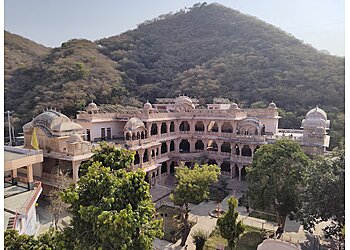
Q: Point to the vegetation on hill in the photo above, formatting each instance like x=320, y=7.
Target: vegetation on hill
x=205, y=51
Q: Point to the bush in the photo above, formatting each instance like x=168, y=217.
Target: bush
x=199, y=238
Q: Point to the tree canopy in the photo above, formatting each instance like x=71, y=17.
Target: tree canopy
x=275, y=178
x=192, y=187
x=109, y=156
x=112, y=209
x=228, y=225
x=324, y=195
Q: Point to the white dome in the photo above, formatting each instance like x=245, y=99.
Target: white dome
x=316, y=113
x=134, y=124
x=234, y=106
x=147, y=105
x=313, y=123
x=272, y=105
x=184, y=101
x=91, y=106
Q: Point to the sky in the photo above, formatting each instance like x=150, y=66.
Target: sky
x=320, y=23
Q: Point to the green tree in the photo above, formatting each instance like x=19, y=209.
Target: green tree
x=109, y=156
x=324, y=196
x=111, y=209
x=49, y=240
x=228, y=225
x=276, y=177
x=199, y=238
x=192, y=187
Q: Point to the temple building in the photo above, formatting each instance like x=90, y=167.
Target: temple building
x=176, y=130
x=63, y=148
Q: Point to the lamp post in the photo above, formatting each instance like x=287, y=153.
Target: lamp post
x=10, y=130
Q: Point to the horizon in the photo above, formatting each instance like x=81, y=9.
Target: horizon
x=323, y=29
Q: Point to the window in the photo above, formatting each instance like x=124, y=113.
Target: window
x=109, y=135
x=103, y=133
x=88, y=137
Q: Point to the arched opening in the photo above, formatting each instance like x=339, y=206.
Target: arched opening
x=184, y=146
x=227, y=127
x=212, y=146
x=172, y=168
x=184, y=126
x=199, y=145
x=243, y=173
x=153, y=182
x=225, y=167
x=145, y=156
x=142, y=135
x=147, y=178
x=137, y=158
x=199, y=126
x=226, y=147
x=257, y=147
x=246, y=151
x=172, y=127
x=235, y=173
x=163, y=169
x=212, y=161
x=213, y=127
x=237, y=149
x=154, y=129
x=138, y=136
x=133, y=136
x=163, y=148
x=163, y=128
x=172, y=146
x=128, y=136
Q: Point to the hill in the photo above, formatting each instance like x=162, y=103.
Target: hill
x=206, y=51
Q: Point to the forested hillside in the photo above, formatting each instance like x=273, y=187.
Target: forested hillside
x=206, y=51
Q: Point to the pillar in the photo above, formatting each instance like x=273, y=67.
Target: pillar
x=219, y=126
x=219, y=143
x=240, y=167
x=252, y=148
x=149, y=130
x=30, y=177
x=205, y=141
x=176, y=127
x=219, y=162
x=14, y=177
x=159, y=129
x=192, y=126
x=167, y=128
x=141, y=152
x=192, y=145
x=176, y=145
x=232, y=168
x=206, y=123
x=75, y=168
x=168, y=163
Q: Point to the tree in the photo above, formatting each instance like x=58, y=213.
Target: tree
x=324, y=195
x=199, y=238
x=111, y=209
x=192, y=187
x=49, y=240
x=275, y=178
x=109, y=156
x=228, y=225
x=57, y=206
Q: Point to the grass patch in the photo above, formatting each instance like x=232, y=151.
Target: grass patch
x=172, y=225
x=250, y=239
x=263, y=216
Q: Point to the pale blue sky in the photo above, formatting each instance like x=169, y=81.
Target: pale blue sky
x=51, y=22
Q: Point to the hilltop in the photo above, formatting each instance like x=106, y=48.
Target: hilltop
x=206, y=51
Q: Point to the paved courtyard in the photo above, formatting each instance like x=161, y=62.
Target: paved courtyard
x=293, y=231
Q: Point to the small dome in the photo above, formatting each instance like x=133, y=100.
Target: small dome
x=92, y=106
x=147, y=105
x=234, y=106
x=316, y=113
x=75, y=138
x=134, y=124
x=313, y=123
x=272, y=105
x=184, y=101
